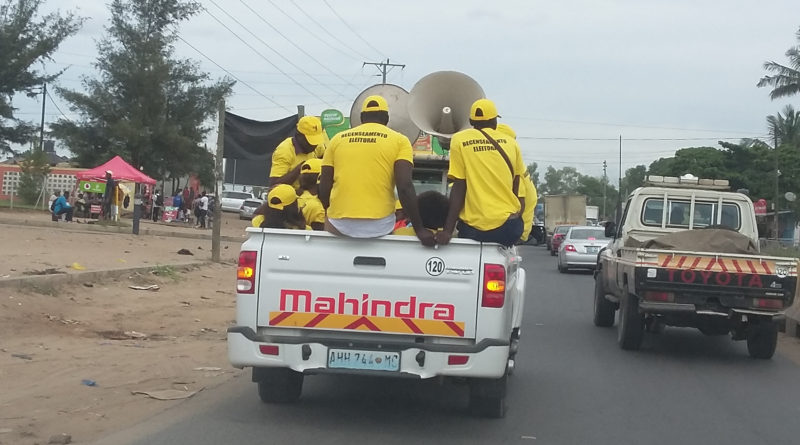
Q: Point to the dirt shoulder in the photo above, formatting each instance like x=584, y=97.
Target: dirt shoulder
x=71, y=361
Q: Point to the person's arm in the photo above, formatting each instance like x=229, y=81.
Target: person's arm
x=457, y=194
x=289, y=178
x=408, y=199
x=325, y=185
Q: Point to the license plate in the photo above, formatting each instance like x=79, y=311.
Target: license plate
x=592, y=249
x=363, y=360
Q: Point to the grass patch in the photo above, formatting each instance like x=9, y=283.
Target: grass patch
x=164, y=271
x=19, y=204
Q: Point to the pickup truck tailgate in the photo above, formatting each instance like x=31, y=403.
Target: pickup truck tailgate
x=392, y=286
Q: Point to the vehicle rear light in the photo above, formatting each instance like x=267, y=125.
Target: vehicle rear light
x=768, y=303
x=457, y=359
x=246, y=273
x=494, y=285
x=570, y=248
x=268, y=349
x=659, y=296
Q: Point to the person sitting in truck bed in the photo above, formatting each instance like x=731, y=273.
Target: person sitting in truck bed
x=490, y=162
x=360, y=170
x=280, y=211
x=530, y=195
x=289, y=155
x=433, y=208
x=308, y=201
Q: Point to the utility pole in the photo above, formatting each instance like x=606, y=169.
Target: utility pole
x=383, y=67
x=41, y=128
x=219, y=177
x=605, y=186
x=619, y=184
x=777, y=192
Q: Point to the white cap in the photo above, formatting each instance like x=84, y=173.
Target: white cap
x=109, y=172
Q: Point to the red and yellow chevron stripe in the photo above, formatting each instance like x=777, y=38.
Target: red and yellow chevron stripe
x=731, y=265
x=367, y=323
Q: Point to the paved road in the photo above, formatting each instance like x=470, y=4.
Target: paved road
x=572, y=385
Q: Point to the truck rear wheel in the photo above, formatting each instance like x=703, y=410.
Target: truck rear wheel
x=762, y=340
x=630, y=327
x=487, y=397
x=278, y=385
x=603, y=309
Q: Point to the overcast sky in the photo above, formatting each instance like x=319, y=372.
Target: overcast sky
x=559, y=72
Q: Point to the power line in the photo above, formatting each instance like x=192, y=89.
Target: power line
x=323, y=28
x=52, y=101
x=299, y=48
x=382, y=67
x=610, y=124
x=259, y=53
x=233, y=75
x=625, y=139
x=377, y=51
x=312, y=33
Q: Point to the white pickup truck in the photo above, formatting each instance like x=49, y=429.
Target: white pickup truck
x=313, y=303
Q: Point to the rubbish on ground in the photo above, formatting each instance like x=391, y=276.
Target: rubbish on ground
x=120, y=335
x=186, y=303
x=88, y=284
x=61, y=439
x=208, y=368
x=77, y=266
x=185, y=252
x=208, y=330
x=152, y=287
x=88, y=382
x=167, y=394
x=5, y=276
x=22, y=356
x=134, y=334
x=204, y=298
x=48, y=271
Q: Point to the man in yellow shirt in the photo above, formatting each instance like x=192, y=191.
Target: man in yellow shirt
x=360, y=170
x=307, y=143
x=531, y=196
x=486, y=166
x=308, y=201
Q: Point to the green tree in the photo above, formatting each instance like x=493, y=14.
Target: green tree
x=785, y=129
x=147, y=106
x=532, y=171
x=634, y=177
x=785, y=80
x=704, y=162
x=33, y=172
x=26, y=40
x=561, y=181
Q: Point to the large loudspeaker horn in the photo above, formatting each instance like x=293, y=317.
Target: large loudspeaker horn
x=397, y=98
x=439, y=103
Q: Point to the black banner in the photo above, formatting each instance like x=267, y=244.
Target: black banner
x=248, y=147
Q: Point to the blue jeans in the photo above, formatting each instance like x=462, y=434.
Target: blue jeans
x=507, y=234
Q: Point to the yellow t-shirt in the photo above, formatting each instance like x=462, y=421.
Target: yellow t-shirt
x=363, y=170
x=311, y=207
x=490, y=196
x=285, y=158
x=530, y=205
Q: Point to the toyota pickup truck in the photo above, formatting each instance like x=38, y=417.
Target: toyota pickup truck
x=686, y=254
x=313, y=303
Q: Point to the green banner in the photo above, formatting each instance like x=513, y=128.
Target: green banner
x=91, y=187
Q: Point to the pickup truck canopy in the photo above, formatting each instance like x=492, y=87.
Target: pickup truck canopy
x=701, y=240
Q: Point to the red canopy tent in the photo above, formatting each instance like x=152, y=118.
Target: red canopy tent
x=120, y=171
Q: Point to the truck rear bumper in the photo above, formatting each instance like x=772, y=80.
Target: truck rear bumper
x=663, y=308
x=486, y=359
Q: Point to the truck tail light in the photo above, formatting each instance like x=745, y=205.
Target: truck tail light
x=659, y=296
x=494, y=285
x=246, y=272
x=768, y=303
x=570, y=248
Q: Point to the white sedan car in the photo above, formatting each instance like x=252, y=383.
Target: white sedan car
x=580, y=247
x=232, y=201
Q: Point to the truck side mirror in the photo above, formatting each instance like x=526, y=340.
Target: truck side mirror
x=611, y=229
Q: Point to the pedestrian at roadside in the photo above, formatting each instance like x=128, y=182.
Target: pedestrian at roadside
x=108, y=195
x=490, y=208
x=61, y=206
x=158, y=203
x=202, y=210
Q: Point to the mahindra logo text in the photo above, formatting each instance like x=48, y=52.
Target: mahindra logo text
x=294, y=300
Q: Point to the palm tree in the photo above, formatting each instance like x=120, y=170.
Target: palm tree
x=786, y=79
x=785, y=129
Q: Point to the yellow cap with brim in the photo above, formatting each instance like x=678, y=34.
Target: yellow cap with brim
x=311, y=166
x=507, y=130
x=483, y=110
x=281, y=196
x=375, y=103
x=311, y=128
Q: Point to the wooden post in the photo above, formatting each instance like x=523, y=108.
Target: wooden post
x=219, y=177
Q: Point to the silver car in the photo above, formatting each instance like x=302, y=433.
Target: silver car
x=580, y=247
x=232, y=201
x=248, y=207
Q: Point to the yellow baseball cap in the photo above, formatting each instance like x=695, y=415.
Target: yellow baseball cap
x=506, y=129
x=281, y=196
x=311, y=166
x=311, y=127
x=375, y=103
x=483, y=110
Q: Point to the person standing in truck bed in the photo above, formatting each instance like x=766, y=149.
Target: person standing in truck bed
x=486, y=166
x=360, y=170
